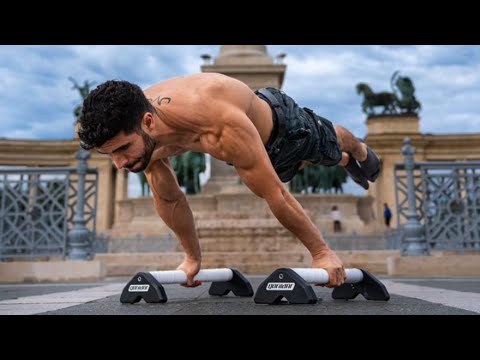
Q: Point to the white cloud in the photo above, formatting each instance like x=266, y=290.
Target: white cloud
x=34, y=79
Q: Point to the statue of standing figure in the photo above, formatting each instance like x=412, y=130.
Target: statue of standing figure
x=144, y=186
x=315, y=179
x=188, y=167
x=404, y=91
x=84, y=90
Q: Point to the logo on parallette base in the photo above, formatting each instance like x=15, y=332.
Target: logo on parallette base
x=138, y=288
x=280, y=286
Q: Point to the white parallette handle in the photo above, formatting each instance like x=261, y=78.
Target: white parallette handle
x=320, y=276
x=179, y=277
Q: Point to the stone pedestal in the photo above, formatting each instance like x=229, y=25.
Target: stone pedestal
x=250, y=64
x=242, y=222
x=393, y=124
x=223, y=178
x=385, y=137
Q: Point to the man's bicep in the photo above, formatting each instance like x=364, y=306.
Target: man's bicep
x=163, y=181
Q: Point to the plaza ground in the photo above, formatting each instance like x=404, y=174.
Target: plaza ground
x=409, y=296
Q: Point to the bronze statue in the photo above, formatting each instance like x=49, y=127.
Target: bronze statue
x=144, y=184
x=83, y=90
x=401, y=100
x=404, y=93
x=188, y=168
x=315, y=179
x=371, y=100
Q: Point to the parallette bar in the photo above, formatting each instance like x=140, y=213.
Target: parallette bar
x=179, y=277
x=320, y=276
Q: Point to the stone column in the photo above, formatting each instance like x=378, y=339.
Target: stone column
x=79, y=237
x=385, y=136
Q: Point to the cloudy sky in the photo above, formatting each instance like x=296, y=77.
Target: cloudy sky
x=36, y=97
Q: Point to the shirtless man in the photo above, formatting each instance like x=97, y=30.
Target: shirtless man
x=265, y=135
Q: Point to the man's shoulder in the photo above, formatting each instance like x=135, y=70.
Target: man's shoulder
x=200, y=79
x=194, y=83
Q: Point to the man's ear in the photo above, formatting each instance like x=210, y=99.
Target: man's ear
x=148, y=122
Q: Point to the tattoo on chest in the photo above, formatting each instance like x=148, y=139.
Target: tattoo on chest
x=159, y=100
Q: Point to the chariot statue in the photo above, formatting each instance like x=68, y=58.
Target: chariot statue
x=400, y=101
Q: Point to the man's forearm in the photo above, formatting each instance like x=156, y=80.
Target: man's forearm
x=178, y=217
x=291, y=215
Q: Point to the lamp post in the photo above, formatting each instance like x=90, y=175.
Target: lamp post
x=79, y=236
x=415, y=243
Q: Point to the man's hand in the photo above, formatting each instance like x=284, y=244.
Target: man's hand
x=191, y=267
x=329, y=261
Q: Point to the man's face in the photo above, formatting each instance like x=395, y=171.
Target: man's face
x=132, y=152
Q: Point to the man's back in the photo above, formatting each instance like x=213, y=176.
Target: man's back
x=201, y=104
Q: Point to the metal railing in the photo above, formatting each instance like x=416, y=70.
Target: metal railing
x=39, y=210
x=438, y=204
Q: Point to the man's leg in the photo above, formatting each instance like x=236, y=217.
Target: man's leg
x=358, y=159
x=350, y=145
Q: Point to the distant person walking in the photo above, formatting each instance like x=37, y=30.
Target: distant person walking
x=337, y=219
x=387, y=215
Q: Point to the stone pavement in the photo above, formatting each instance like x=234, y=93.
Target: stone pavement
x=409, y=296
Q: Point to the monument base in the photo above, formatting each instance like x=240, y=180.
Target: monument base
x=243, y=222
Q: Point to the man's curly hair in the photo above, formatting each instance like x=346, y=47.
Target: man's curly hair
x=110, y=108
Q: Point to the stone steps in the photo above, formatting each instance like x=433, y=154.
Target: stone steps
x=251, y=244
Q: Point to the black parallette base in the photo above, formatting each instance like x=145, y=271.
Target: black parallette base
x=285, y=283
x=143, y=286
x=370, y=287
x=238, y=285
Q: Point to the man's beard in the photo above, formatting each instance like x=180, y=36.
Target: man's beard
x=142, y=162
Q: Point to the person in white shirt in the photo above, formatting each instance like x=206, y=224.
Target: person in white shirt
x=336, y=217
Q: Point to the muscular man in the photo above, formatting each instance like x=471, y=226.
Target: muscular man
x=265, y=135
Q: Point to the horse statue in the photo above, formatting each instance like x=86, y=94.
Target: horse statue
x=404, y=91
x=371, y=100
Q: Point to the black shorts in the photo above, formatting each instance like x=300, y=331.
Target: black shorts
x=298, y=134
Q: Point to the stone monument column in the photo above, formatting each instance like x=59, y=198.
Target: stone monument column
x=385, y=136
x=252, y=65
